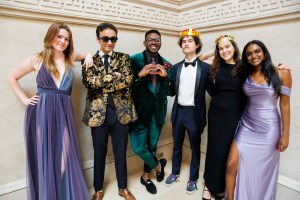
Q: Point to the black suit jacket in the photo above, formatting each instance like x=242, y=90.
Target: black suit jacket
x=201, y=86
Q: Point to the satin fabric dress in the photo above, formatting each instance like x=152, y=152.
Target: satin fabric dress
x=257, y=141
x=54, y=167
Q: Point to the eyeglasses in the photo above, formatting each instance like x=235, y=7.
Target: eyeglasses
x=152, y=40
x=105, y=39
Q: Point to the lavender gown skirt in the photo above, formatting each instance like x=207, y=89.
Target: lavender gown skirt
x=54, y=170
x=257, y=140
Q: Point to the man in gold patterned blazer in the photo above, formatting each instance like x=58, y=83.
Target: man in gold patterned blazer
x=109, y=107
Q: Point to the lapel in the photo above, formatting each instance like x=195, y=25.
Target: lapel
x=145, y=59
x=146, y=62
x=113, y=56
x=114, y=62
x=98, y=62
x=160, y=60
x=178, y=76
x=198, y=75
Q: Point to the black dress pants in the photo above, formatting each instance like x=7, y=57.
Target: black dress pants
x=119, y=137
x=186, y=121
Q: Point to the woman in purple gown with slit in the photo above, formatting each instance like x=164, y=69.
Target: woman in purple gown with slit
x=262, y=133
x=54, y=167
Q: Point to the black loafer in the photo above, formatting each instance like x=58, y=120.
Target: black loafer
x=151, y=188
x=160, y=176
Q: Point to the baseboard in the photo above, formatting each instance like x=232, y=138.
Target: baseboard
x=289, y=183
x=12, y=187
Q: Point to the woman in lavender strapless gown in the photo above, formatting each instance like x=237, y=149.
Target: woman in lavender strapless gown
x=54, y=167
x=253, y=162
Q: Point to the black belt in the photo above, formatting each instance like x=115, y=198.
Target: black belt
x=185, y=107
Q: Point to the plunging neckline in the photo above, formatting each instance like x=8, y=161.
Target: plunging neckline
x=61, y=80
x=54, y=83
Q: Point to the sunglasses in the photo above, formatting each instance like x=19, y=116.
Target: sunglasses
x=105, y=39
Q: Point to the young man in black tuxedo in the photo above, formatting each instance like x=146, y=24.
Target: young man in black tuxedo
x=189, y=109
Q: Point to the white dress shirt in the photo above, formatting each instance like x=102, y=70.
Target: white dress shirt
x=187, y=84
x=102, y=56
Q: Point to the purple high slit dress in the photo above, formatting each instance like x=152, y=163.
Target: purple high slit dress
x=54, y=167
x=257, y=138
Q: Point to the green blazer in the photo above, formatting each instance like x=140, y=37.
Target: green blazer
x=146, y=102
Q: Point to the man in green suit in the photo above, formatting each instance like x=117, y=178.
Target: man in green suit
x=152, y=84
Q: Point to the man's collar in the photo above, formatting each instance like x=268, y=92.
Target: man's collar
x=193, y=59
x=148, y=56
x=101, y=54
x=192, y=62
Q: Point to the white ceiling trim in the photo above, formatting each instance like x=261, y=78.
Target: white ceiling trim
x=169, y=16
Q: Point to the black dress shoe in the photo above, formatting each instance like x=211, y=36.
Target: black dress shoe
x=160, y=176
x=151, y=188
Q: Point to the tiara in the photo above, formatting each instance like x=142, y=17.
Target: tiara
x=226, y=36
x=190, y=32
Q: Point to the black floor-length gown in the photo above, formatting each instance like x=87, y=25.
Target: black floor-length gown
x=224, y=113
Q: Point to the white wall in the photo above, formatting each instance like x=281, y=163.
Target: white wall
x=21, y=38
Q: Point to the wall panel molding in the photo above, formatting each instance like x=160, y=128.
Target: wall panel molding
x=168, y=16
x=240, y=13
x=127, y=14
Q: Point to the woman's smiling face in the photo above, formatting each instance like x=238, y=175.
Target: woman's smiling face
x=255, y=55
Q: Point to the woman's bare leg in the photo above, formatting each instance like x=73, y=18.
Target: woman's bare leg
x=231, y=170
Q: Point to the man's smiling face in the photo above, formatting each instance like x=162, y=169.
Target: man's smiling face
x=152, y=43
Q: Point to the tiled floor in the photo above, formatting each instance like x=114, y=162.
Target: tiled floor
x=174, y=192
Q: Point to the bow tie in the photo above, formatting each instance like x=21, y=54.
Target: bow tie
x=190, y=63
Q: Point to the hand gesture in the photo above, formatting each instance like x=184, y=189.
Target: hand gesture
x=88, y=61
x=160, y=70
x=147, y=69
x=283, y=66
x=32, y=101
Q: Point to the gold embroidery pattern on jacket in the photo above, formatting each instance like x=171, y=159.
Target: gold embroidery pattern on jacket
x=116, y=81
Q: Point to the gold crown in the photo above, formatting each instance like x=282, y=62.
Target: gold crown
x=190, y=32
x=226, y=36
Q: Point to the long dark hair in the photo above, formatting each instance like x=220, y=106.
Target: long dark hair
x=218, y=61
x=268, y=68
